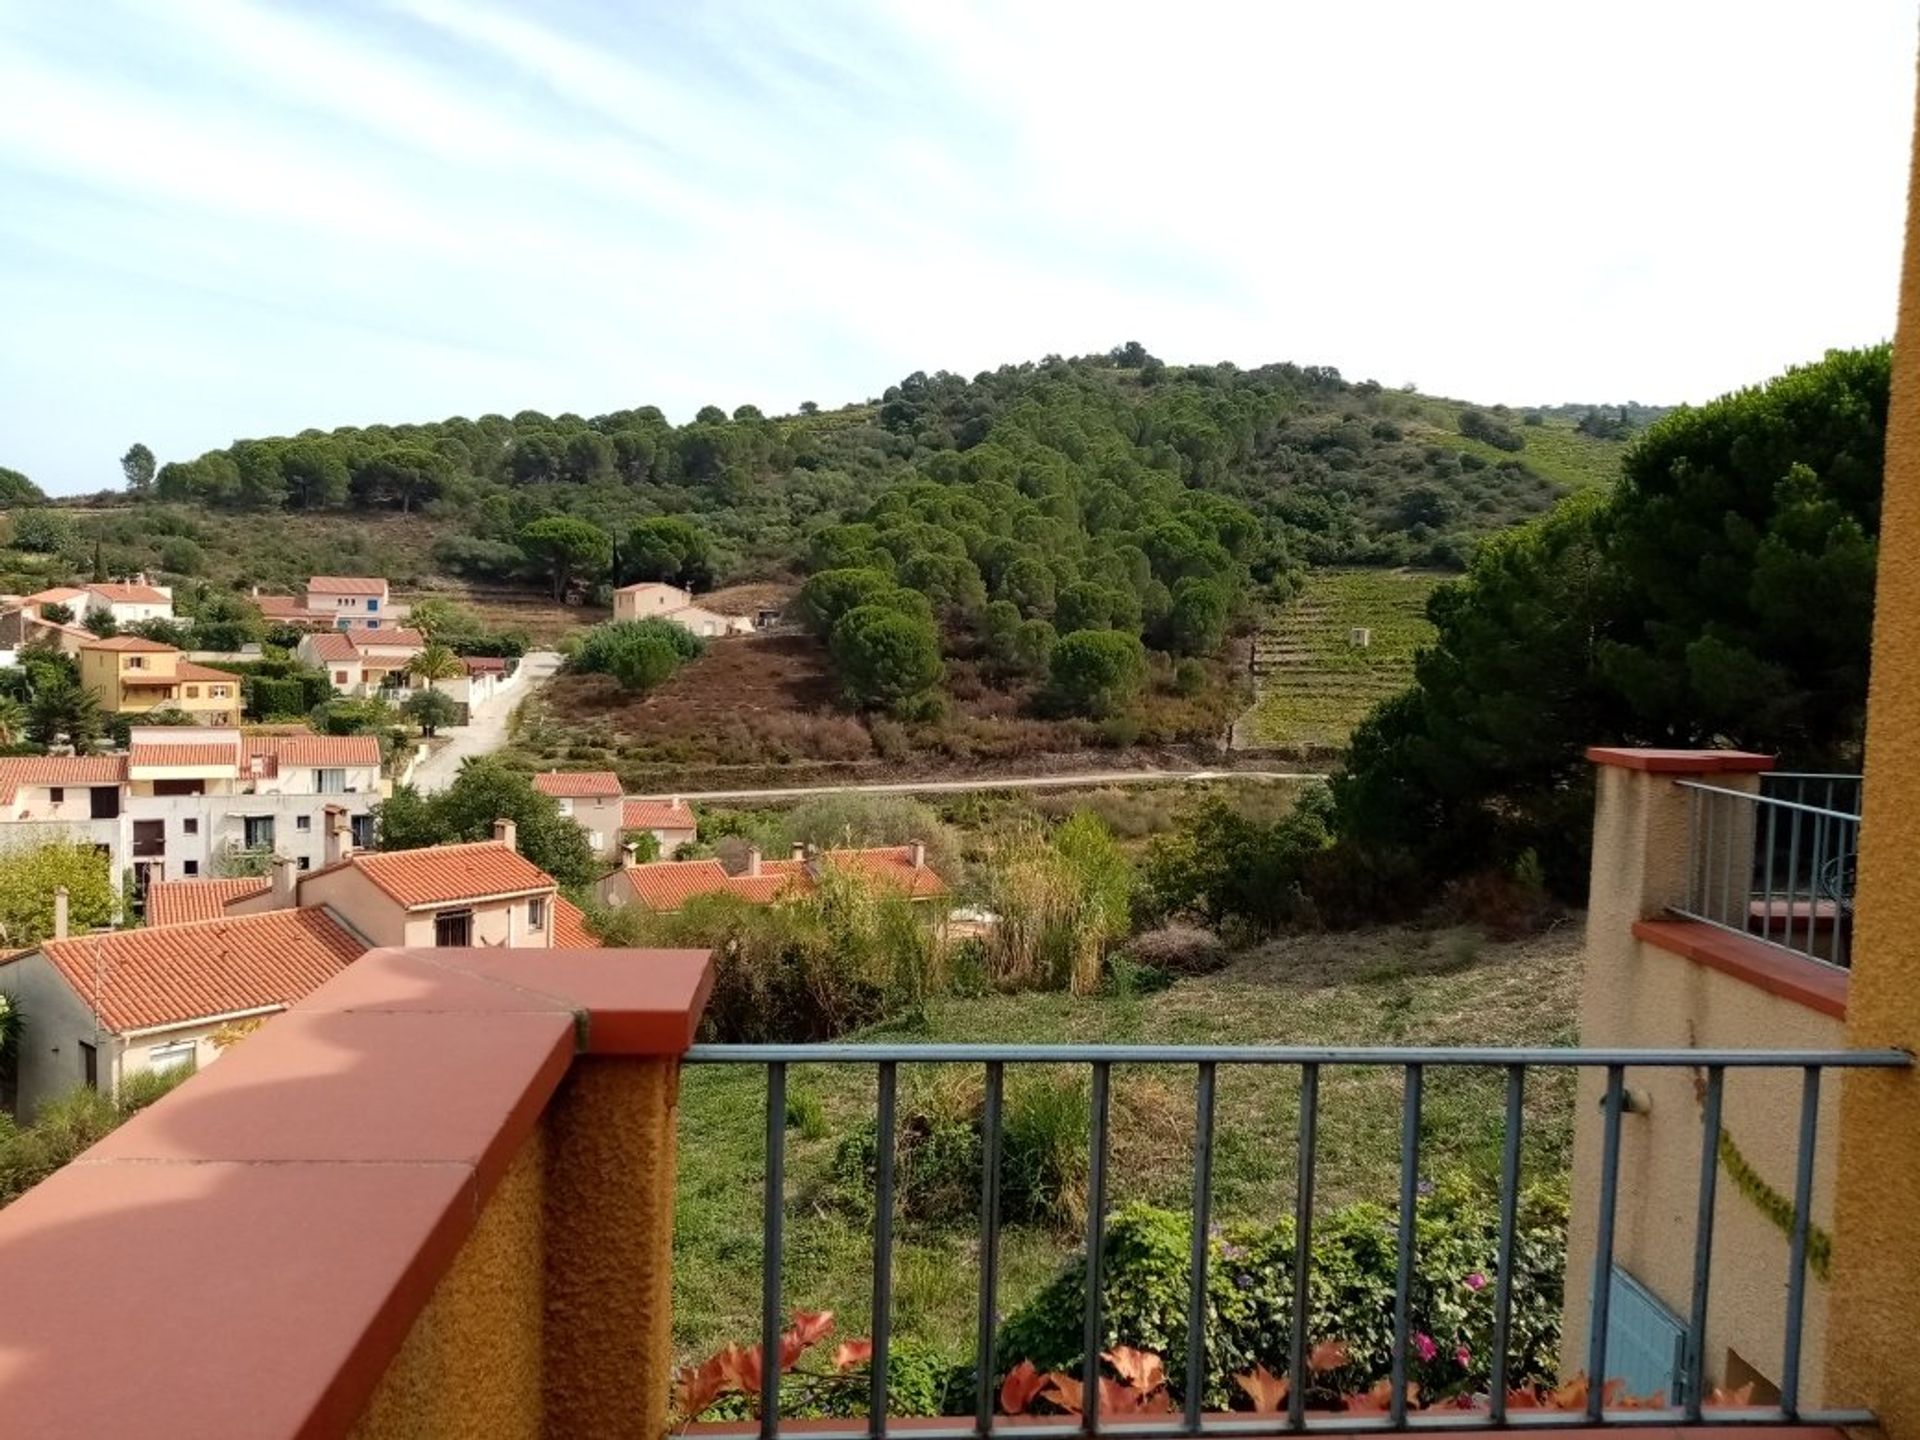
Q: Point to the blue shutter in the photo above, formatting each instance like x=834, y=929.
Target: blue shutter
x=1646, y=1342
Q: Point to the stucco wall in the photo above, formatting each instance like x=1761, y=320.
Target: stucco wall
x=500, y=922
x=473, y=1364
x=56, y=1022
x=1659, y=999
x=358, y=901
x=600, y=817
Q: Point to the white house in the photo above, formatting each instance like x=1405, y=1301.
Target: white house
x=653, y=600
x=354, y=601
x=364, y=661
x=128, y=603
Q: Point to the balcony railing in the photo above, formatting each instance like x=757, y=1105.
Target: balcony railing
x=1778, y=864
x=1205, y=1062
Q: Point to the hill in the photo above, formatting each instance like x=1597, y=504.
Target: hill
x=1337, y=472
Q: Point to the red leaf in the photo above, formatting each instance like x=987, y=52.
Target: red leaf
x=1379, y=1399
x=1018, y=1390
x=1328, y=1355
x=1267, y=1390
x=698, y=1386
x=1063, y=1390
x=1141, y=1369
x=1572, y=1395
x=740, y=1368
x=852, y=1352
x=811, y=1326
x=1741, y=1396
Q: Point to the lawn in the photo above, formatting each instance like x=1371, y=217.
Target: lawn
x=1393, y=986
x=1314, y=684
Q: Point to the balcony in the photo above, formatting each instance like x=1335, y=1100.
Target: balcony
x=437, y=1197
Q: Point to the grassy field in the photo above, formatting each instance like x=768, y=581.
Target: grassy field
x=1555, y=450
x=1314, y=684
x=1383, y=987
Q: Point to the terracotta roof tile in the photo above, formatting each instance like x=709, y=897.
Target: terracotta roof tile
x=570, y=927
x=668, y=884
x=182, y=902
x=130, y=595
x=657, y=815
x=57, y=595
x=131, y=642
x=484, y=664
x=137, y=979
x=39, y=770
x=398, y=635
x=578, y=784
x=329, y=751
x=891, y=865
x=333, y=645
x=348, y=584
x=189, y=670
x=148, y=754
x=443, y=874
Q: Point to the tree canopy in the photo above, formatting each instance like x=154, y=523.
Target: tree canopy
x=485, y=790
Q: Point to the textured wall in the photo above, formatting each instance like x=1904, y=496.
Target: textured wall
x=610, y=1247
x=1873, y=1359
x=472, y=1364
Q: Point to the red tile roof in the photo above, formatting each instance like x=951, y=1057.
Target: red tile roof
x=18, y=770
x=447, y=873
x=570, y=927
x=484, y=664
x=348, y=584
x=578, y=784
x=138, y=979
x=130, y=642
x=399, y=635
x=669, y=884
x=333, y=645
x=148, y=753
x=657, y=815
x=130, y=594
x=324, y=751
x=892, y=866
x=57, y=595
x=188, y=670
x=181, y=902
x=288, y=607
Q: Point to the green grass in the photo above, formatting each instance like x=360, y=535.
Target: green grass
x=1554, y=450
x=1314, y=684
x=1381, y=987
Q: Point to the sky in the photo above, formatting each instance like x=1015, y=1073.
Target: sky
x=231, y=218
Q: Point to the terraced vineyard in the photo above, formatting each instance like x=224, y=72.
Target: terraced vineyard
x=1314, y=683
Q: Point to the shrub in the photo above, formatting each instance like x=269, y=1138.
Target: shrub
x=885, y=659
x=640, y=654
x=1250, y=1291
x=1097, y=672
x=1178, y=950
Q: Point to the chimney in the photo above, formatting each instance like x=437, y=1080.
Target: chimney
x=753, y=862
x=338, y=839
x=59, y=912
x=675, y=804
x=629, y=855
x=507, y=833
x=799, y=851
x=286, y=875
x=917, y=853
x=256, y=592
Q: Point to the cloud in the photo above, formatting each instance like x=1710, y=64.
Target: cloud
x=231, y=217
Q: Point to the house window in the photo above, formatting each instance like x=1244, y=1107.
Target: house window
x=89, y=1065
x=218, y=692
x=136, y=662
x=190, y=825
x=373, y=605
x=259, y=831
x=306, y=862
x=165, y=1059
x=193, y=692
x=179, y=787
x=56, y=794
x=362, y=826
x=190, y=867
x=537, y=913
x=566, y=807
x=303, y=822
x=596, y=840
x=330, y=782
x=453, y=928
x=103, y=802
x=339, y=677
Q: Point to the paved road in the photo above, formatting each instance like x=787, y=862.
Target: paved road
x=488, y=729
x=1075, y=779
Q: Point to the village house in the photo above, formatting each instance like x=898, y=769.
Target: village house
x=667, y=885
x=108, y=1006
x=356, y=602
x=671, y=822
x=180, y=800
x=128, y=603
x=592, y=800
x=652, y=600
x=22, y=625
x=130, y=675
x=363, y=662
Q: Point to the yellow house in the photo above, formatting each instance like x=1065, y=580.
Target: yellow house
x=130, y=675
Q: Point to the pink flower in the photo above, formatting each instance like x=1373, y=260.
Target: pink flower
x=1476, y=1281
x=1423, y=1345
x=1465, y=1357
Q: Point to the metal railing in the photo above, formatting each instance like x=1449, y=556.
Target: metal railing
x=1777, y=864
x=1205, y=1062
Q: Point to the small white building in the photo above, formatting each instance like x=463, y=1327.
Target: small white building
x=653, y=600
x=355, y=602
x=363, y=661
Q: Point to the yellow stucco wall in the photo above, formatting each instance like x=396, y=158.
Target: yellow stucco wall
x=472, y=1364
x=1876, y=1286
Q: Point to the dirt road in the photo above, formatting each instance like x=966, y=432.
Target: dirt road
x=1076, y=779
x=487, y=731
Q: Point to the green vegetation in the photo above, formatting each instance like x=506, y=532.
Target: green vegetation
x=68, y=1125
x=28, y=878
x=1314, y=684
x=640, y=654
x=486, y=790
x=1391, y=986
x=1721, y=595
